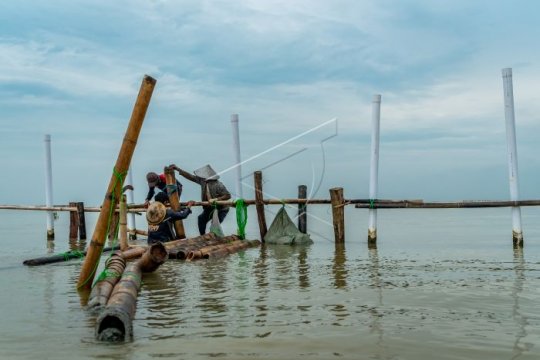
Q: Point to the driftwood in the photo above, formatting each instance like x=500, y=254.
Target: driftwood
x=61, y=257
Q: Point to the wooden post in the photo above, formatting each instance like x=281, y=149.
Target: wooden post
x=123, y=224
x=82, y=221
x=131, y=200
x=115, y=185
x=259, y=203
x=302, y=209
x=174, y=199
x=338, y=214
x=73, y=222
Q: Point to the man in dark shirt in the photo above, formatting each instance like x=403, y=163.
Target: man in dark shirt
x=158, y=181
x=211, y=190
x=160, y=221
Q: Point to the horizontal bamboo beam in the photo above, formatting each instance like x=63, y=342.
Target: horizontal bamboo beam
x=359, y=203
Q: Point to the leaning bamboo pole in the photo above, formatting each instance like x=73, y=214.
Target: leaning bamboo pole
x=115, y=185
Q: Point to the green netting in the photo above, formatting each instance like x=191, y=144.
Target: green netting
x=284, y=232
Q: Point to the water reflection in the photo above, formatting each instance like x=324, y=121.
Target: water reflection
x=213, y=301
x=260, y=271
x=520, y=319
x=338, y=267
x=303, y=268
x=50, y=246
x=376, y=283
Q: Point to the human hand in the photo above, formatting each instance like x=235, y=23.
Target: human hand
x=146, y=203
x=174, y=167
x=190, y=203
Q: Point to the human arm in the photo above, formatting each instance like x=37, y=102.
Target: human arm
x=185, y=174
x=151, y=192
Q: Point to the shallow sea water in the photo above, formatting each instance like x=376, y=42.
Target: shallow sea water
x=442, y=284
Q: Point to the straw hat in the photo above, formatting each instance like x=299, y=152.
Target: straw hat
x=156, y=213
x=207, y=173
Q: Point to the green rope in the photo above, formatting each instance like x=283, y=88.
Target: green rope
x=372, y=203
x=171, y=189
x=71, y=254
x=118, y=184
x=241, y=217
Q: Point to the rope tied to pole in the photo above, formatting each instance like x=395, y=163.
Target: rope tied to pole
x=118, y=183
x=241, y=218
x=171, y=189
x=72, y=253
x=372, y=203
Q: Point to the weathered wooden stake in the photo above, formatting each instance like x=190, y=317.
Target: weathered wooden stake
x=73, y=223
x=112, y=229
x=338, y=214
x=123, y=224
x=49, y=187
x=302, y=209
x=517, y=234
x=259, y=205
x=174, y=199
x=82, y=221
x=115, y=185
x=374, y=166
x=131, y=201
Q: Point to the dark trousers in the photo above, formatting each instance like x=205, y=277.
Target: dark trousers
x=206, y=216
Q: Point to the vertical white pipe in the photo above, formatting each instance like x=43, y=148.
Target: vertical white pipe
x=374, y=165
x=49, y=187
x=517, y=234
x=237, y=159
x=130, y=200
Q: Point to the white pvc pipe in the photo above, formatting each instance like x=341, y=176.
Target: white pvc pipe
x=517, y=233
x=130, y=200
x=237, y=159
x=49, y=187
x=374, y=165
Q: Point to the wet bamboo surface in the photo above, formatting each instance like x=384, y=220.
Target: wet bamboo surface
x=102, y=289
x=61, y=257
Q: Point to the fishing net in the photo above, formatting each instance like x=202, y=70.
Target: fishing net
x=284, y=232
x=215, y=225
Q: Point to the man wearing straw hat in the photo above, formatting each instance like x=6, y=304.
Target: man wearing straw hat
x=212, y=190
x=160, y=220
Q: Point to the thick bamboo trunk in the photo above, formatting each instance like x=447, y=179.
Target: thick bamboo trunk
x=115, y=185
x=153, y=258
x=231, y=249
x=174, y=199
x=115, y=322
x=102, y=289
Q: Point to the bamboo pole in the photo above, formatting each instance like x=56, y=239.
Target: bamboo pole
x=374, y=166
x=61, y=257
x=174, y=199
x=302, y=209
x=114, y=189
x=359, y=203
x=73, y=222
x=82, y=221
x=237, y=158
x=49, y=187
x=517, y=234
x=259, y=204
x=131, y=200
x=123, y=224
x=102, y=289
x=338, y=214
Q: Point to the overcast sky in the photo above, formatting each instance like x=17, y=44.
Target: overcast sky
x=72, y=69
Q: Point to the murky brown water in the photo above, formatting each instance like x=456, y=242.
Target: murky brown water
x=452, y=289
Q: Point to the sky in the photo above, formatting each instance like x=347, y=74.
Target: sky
x=72, y=69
